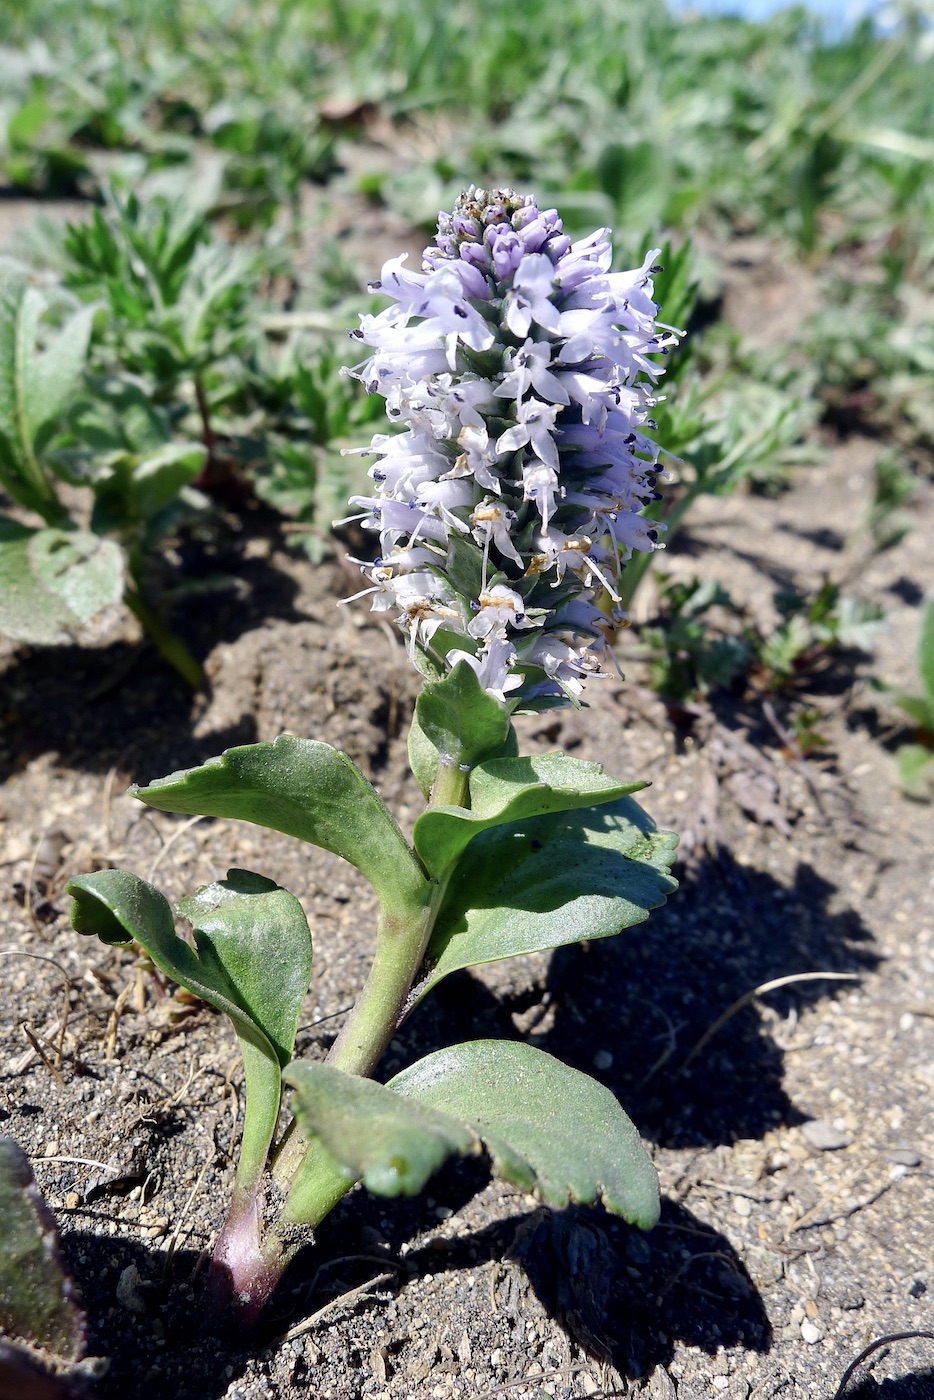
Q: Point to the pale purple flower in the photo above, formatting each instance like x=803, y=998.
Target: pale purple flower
x=535, y=423
x=530, y=370
x=522, y=370
x=528, y=299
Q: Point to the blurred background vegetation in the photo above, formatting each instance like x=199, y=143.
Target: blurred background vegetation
x=239, y=169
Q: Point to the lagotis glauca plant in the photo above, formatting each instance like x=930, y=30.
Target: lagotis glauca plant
x=521, y=370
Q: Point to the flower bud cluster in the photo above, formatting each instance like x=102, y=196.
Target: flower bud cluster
x=519, y=366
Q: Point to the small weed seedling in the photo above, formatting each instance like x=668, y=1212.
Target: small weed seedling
x=916, y=761
x=522, y=370
x=58, y=575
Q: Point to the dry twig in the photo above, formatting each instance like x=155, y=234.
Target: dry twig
x=867, y=1352
x=167, y=846
x=36, y=1044
x=759, y=991
x=335, y=1304
x=66, y=983
x=110, y=1039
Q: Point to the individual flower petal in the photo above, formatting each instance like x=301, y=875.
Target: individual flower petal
x=528, y=301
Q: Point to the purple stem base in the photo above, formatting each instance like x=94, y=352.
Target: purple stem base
x=242, y=1274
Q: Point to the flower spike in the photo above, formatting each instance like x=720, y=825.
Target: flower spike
x=520, y=367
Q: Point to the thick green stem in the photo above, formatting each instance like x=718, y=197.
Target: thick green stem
x=401, y=939
x=400, y=946
x=450, y=785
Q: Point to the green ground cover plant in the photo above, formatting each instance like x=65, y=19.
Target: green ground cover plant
x=767, y=125
x=141, y=375
x=916, y=760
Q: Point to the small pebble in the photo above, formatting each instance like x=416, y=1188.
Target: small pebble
x=810, y=1332
x=824, y=1136
x=128, y=1294
x=905, y=1157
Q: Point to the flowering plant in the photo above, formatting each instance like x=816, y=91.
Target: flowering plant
x=519, y=365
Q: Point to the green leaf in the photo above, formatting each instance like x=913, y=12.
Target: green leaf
x=547, y=1127
x=251, y=959
x=504, y=790
x=916, y=771
x=159, y=477
x=52, y=579
x=37, y=1299
x=423, y=757
x=372, y=1133
x=918, y=710
x=35, y=385
x=926, y=652
x=460, y=719
x=252, y=953
x=547, y=881
x=303, y=788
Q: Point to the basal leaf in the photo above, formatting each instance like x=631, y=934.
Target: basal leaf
x=37, y=1298
x=51, y=580
x=251, y=959
x=306, y=789
x=547, y=1127
x=546, y=881
x=391, y=1143
x=254, y=935
x=252, y=953
x=504, y=790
